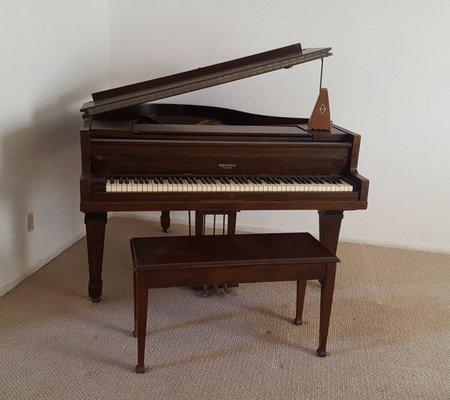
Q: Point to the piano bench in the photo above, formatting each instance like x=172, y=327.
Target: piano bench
x=209, y=260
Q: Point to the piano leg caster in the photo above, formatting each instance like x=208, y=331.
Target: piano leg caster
x=298, y=322
x=321, y=352
x=95, y=290
x=134, y=333
x=140, y=369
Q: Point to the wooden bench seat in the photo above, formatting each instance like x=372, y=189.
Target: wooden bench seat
x=209, y=260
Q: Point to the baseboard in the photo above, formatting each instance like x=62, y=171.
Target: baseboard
x=8, y=286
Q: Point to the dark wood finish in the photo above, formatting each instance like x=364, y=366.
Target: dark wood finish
x=320, y=118
x=301, y=290
x=165, y=139
x=326, y=299
x=231, y=223
x=165, y=221
x=135, y=303
x=329, y=227
x=334, y=153
x=201, y=78
x=141, y=319
x=199, y=224
x=210, y=260
x=95, y=233
x=250, y=249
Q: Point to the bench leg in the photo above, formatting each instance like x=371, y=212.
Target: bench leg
x=301, y=289
x=326, y=300
x=142, y=303
x=135, y=304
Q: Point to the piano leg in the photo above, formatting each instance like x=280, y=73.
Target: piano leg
x=329, y=227
x=95, y=234
x=231, y=226
x=165, y=221
x=199, y=223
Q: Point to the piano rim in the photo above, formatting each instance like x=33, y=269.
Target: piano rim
x=236, y=205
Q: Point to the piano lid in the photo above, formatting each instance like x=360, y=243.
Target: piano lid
x=201, y=78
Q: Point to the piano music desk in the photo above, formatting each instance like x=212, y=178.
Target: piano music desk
x=208, y=260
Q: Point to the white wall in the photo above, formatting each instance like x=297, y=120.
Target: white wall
x=52, y=54
x=388, y=80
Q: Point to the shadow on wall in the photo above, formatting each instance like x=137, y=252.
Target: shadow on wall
x=37, y=161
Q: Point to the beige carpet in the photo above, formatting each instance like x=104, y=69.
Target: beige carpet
x=389, y=334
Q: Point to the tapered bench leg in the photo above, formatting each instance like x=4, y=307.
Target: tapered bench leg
x=135, y=314
x=301, y=289
x=326, y=300
x=142, y=303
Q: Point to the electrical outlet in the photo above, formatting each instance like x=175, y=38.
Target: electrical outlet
x=30, y=222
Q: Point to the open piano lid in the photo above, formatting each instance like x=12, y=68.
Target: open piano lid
x=200, y=78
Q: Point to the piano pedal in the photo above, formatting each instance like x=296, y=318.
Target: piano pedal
x=205, y=291
x=230, y=292
x=220, y=291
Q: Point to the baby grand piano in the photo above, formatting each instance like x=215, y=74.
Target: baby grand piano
x=142, y=156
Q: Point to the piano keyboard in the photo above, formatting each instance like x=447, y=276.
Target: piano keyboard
x=227, y=184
